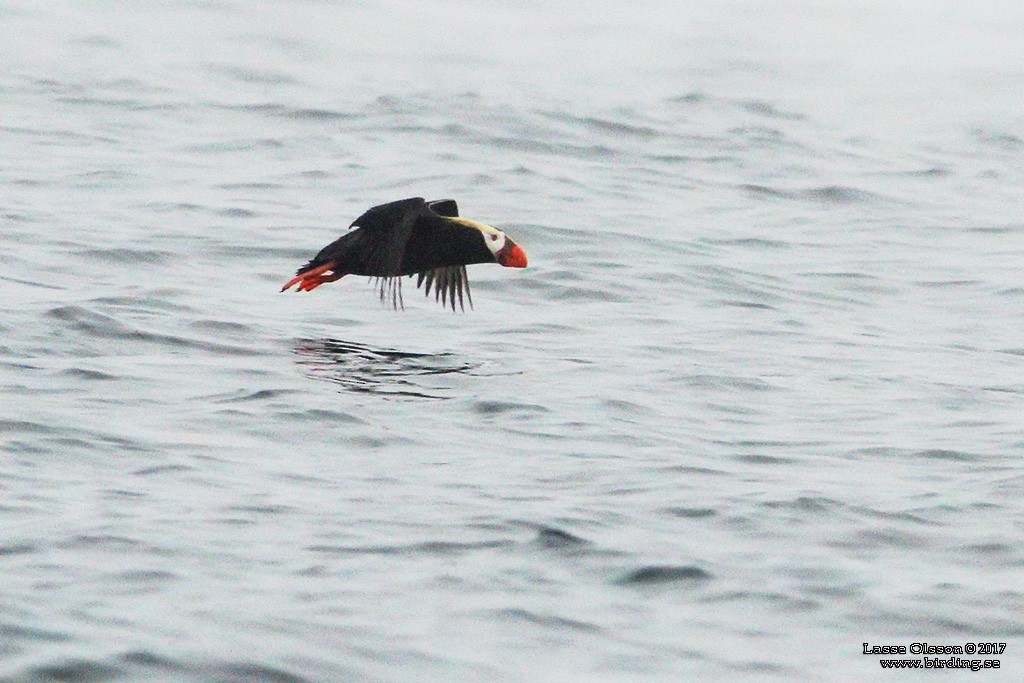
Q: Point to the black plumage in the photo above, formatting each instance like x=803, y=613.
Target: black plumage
x=411, y=237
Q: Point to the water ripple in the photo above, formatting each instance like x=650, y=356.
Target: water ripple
x=102, y=326
x=383, y=371
x=665, y=574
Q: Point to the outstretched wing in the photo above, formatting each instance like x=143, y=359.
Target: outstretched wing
x=447, y=283
x=376, y=248
x=385, y=232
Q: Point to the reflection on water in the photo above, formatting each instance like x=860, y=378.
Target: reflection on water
x=390, y=372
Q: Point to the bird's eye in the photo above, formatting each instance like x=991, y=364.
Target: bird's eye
x=494, y=238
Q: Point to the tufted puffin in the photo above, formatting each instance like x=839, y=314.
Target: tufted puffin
x=411, y=237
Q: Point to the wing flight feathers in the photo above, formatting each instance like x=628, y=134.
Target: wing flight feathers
x=448, y=284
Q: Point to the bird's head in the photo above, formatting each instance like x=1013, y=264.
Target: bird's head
x=505, y=251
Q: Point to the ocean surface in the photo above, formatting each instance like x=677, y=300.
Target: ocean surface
x=758, y=399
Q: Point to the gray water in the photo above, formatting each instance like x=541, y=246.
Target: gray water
x=756, y=400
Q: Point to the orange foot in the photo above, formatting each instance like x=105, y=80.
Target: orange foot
x=311, y=279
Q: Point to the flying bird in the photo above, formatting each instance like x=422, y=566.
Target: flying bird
x=411, y=237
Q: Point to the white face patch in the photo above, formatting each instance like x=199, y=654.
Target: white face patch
x=493, y=238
